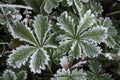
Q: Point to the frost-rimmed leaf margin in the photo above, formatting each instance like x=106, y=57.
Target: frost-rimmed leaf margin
x=24, y=33
x=90, y=48
x=22, y=75
x=50, y=4
x=96, y=34
x=38, y=60
x=86, y=22
x=9, y=75
x=20, y=51
x=75, y=74
x=66, y=23
x=41, y=26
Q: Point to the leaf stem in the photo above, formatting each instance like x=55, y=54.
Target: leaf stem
x=15, y=6
x=113, y=13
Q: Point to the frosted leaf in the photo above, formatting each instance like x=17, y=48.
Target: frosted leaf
x=38, y=61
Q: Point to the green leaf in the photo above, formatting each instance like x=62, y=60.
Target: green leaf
x=95, y=74
x=76, y=49
x=66, y=23
x=38, y=60
x=41, y=28
x=90, y=49
x=110, y=42
x=78, y=75
x=22, y=75
x=112, y=31
x=95, y=66
x=67, y=75
x=70, y=2
x=50, y=4
x=62, y=74
x=24, y=33
x=57, y=54
x=85, y=22
x=51, y=42
x=20, y=56
x=97, y=8
x=95, y=34
x=79, y=7
x=9, y=75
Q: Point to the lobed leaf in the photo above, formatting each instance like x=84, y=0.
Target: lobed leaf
x=79, y=6
x=24, y=33
x=90, y=49
x=9, y=75
x=20, y=56
x=110, y=42
x=50, y=4
x=67, y=75
x=76, y=49
x=38, y=60
x=85, y=22
x=95, y=34
x=41, y=28
x=78, y=75
x=66, y=23
x=22, y=75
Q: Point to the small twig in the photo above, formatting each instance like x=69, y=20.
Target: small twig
x=15, y=6
x=2, y=43
x=113, y=13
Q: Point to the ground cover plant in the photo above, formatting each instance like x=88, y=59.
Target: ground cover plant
x=59, y=40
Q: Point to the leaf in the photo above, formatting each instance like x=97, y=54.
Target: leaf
x=38, y=60
x=67, y=75
x=24, y=33
x=66, y=23
x=66, y=44
x=22, y=75
x=95, y=34
x=50, y=4
x=85, y=22
x=95, y=74
x=20, y=56
x=79, y=6
x=62, y=74
x=9, y=75
x=90, y=49
x=57, y=54
x=95, y=66
x=41, y=28
x=110, y=42
x=70, y=2
x=76, y=49
x=78, y=75
x=112, y=31
x=51, y=41
x=64, y=62
x=97, y=8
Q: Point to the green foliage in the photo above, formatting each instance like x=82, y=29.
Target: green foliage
x=68, y=75
x=95, y=73
x=81, y=36
x=49, y=5
x=10, y=75
x=71, y=34
x=39, y=57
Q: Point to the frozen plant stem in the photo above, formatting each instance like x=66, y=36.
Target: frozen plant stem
x=15, y=6
x=1, y=43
